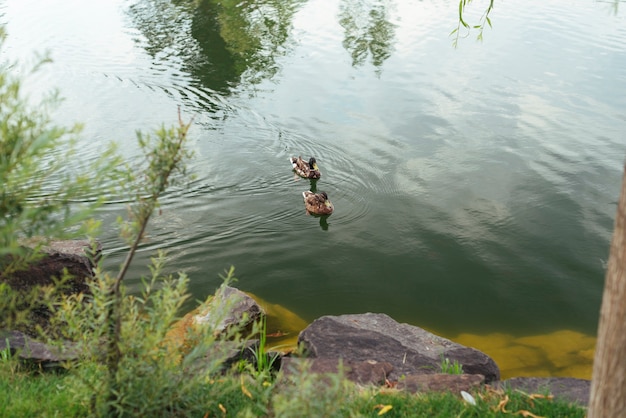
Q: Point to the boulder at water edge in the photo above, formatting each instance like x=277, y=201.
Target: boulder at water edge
x=409, y=349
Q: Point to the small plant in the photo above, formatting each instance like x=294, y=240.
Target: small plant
x=308, y=394
x=450, y=367
x=264, y=361
x=9, y=362
x=5, y=353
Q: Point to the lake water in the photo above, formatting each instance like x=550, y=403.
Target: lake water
x=474, y=187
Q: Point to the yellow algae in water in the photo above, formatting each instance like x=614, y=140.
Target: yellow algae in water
x=283, y=325
x=494, y=340
x=513, y=360
x=563, y=353
x=569, y=352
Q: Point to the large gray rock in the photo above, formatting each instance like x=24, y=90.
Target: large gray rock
x=410, y=349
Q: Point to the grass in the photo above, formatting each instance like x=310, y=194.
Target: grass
x=26, y=392
x=449, y=367
x=489, y=404
x=264, y=360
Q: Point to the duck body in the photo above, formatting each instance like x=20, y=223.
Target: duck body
x=317, y=203
x=305, y=169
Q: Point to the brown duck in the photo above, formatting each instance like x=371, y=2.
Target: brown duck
x=317, y=203
x=305, y=169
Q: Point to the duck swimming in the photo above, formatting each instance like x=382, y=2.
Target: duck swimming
x=317, y=203
x=305, y=169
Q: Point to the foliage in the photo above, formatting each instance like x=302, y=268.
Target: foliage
x=149, y=379
x=36, y=395
x=264, y=361
x=16, y=307
x=305, y=394
x=6, y=358
x=482, y=21
x=128, y=368
x=164, y=158
x=450, y=367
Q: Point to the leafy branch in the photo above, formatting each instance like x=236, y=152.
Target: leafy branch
x=164, y=157
x=484, y=20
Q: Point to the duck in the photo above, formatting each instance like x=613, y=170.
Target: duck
x=317, y=203
x=305, y=169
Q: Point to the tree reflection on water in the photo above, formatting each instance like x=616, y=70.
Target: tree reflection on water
x=226, y=44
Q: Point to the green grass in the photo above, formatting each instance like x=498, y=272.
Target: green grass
x=32, y=393
x=264, y=360
x=450, y=367
x=450, y=405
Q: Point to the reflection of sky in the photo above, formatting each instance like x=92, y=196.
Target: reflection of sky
x=422, y=46
x=78, y=26
x=524, y=105
x=96, y=67
x=525, y=87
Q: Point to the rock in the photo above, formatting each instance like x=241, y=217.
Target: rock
x=70, y=255
x=568, y=388
x=228, y=307
x=362, y=372
x=60, y=255
x=32, y=350
x=410, y=349
x=439, y=382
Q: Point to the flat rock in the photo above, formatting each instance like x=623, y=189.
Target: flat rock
x=568, y=388
x=439, y=382
x=362, y=372
x=32, y=350
x=410, y=349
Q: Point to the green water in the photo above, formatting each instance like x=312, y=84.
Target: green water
x=474, y=188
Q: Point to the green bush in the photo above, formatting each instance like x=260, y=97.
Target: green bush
x=304, y=394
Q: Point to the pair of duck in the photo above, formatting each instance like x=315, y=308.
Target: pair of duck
x=316, y=203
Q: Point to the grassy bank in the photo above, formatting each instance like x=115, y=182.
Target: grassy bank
x=33, y=393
